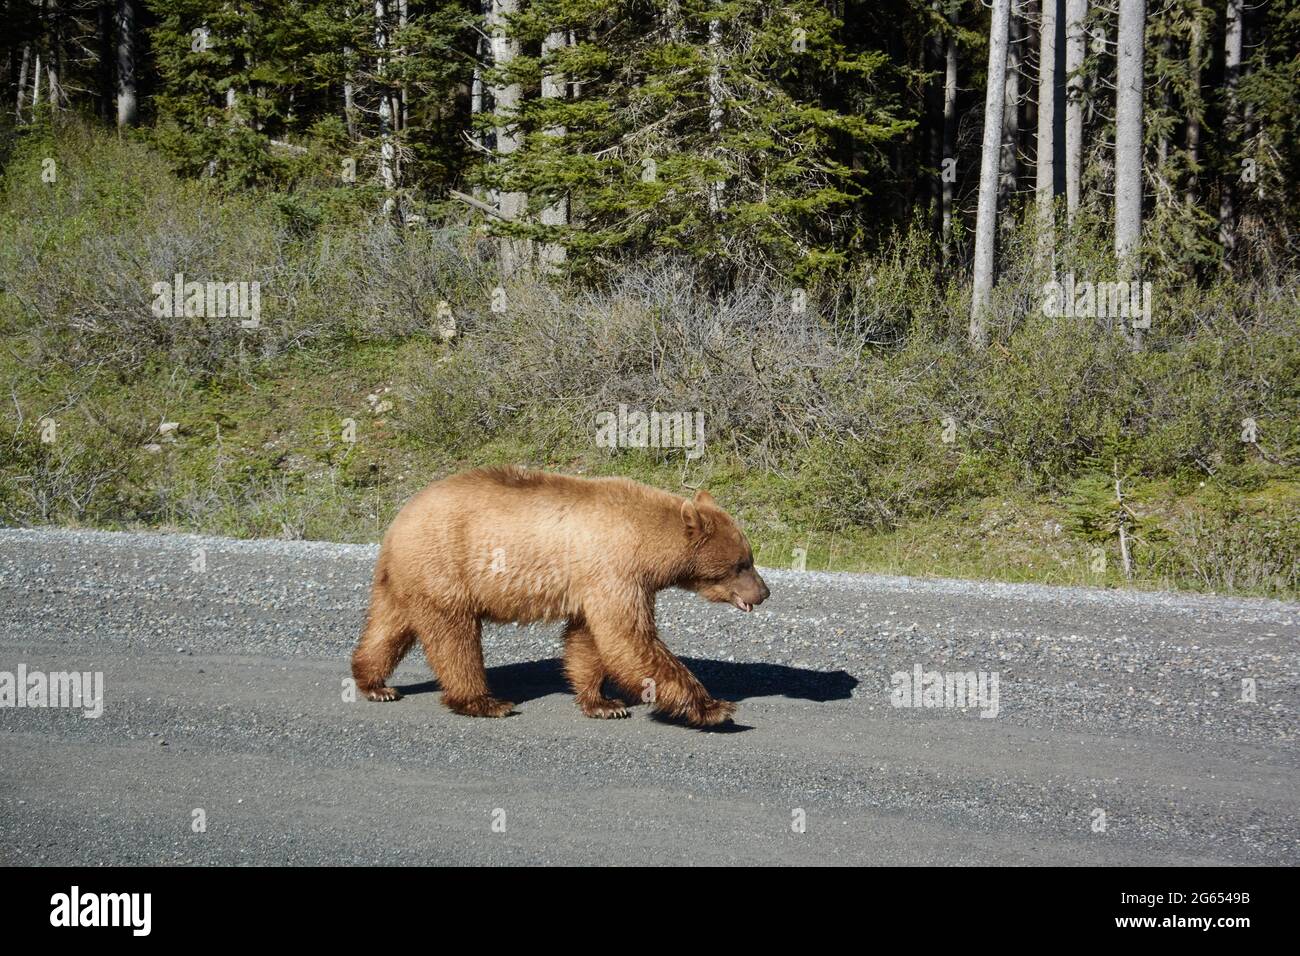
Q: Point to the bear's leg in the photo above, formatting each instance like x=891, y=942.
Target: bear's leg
x=453, y=644
x=384, y=642
x=586, y=672
x=641, y=663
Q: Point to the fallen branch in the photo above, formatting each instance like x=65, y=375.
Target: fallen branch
x=470, y=200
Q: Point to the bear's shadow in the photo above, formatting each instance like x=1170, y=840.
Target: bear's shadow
x=725, y=679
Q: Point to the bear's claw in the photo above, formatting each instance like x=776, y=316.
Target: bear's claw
x=603, y=708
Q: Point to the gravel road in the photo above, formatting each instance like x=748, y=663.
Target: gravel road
x=1121, y=735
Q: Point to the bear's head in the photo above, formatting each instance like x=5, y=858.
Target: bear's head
x=722, y=564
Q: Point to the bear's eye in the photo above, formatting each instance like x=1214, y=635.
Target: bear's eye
x=744, y=565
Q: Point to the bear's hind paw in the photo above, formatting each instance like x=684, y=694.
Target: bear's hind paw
x=484, y=706
x=711, y=712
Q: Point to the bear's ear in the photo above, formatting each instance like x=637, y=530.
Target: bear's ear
x=702, y=497
x=697, y=524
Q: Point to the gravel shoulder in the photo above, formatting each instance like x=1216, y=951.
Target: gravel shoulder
x=224, y=664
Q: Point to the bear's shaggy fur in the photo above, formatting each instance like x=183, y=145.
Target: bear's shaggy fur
x=507, y=544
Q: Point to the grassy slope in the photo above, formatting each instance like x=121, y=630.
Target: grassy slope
x=266, y=458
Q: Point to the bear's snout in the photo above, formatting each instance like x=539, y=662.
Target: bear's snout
x=749, y=591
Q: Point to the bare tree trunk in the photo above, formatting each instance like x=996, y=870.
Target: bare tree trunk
x=1232, y=44
x=1028, y=119
x=387, y=173
x=22, y=81
x=349, y=89
x=127, y=110
x=1076, y=11
x=715, y=105
x=478, y=94
x=511, y=205
x=403, y=18
x=476, y=91
x=1011, y=111
x=949, y=131
x=1128, y=131
x=553, y=88
x=1128, y=144
x=1194, y=48
x=54, y=60
x=349, y=99
x=934, y=119
x=36, y=84
x=1045, y=158
x=1126, y=559
x=987, y=213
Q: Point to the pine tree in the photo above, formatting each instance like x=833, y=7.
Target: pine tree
x=701, y=128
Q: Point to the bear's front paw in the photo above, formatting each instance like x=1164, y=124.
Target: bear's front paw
x=602, y=708
x=709, y=712
x=483, y=706
x=381, y=694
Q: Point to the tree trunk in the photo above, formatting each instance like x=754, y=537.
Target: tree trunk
x=673, y=21
x=349, y=89
x=22, y=81
x=715, y=106
x=1076, y=11
x=987, y=212
x=1126, y=560
x=1194, y=107
x=127, y=111
x=506, y=95
x=1128, y=132
x=1045, y=156
x=1028, y=119
x=349, y=99
x=478, y=94
x=387, y=173
x=934, y=117
x=949, y=130
x=553, y=88
x=403, y=18
x=1010, y=166
x=476, y=91
x=55, y=58
x=1128, y=144
x=1232, y=121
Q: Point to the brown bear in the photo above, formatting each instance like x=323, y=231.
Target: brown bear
x=508, y=544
